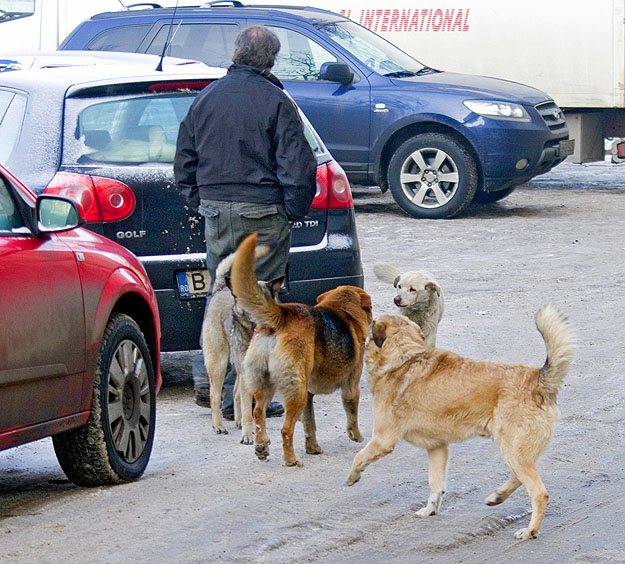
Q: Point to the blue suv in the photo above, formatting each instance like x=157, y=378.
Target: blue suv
x=437, y=140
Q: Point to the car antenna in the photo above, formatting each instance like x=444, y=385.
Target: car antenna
x=159, y=67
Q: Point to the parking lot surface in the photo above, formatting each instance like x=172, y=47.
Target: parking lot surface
x=206, y=498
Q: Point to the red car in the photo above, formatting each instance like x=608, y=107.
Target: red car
x=79, y=340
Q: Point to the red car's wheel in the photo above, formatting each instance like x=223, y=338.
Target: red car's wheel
x=115, y=444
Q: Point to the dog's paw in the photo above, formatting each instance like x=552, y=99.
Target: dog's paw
x=294, y=462
x=261, y=450
x=220, y=429
x=354, y=435
x=247, y=439
x=352, y=479
x=312, y=447
x=426, y=511
x=493, y=499
x=525, y=534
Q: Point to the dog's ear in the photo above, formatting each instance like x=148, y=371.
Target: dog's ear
x=322, y=296
x=378, y=332
x=396, y=281
x=275, y=285
x=432, y=287
x=365, y=301
x=229, y=283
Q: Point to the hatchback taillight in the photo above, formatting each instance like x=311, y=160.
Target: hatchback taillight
x=102, y=199
x=333, y=189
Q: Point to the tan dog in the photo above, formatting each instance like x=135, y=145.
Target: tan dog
x=300, y=351
x=432, y=397
x=418, y=297
x=226, y=334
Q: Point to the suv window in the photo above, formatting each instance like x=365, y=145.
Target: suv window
x=123, y=39
x=300, y=58
x=12, y=106
x=211, y=43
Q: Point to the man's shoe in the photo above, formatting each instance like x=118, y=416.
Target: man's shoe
x=202, y=397
x=274, y=409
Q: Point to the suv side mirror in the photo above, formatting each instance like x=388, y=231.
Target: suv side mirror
x=336, y=72
x=55, y=213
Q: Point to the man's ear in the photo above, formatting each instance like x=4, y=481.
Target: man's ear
x=378, y=332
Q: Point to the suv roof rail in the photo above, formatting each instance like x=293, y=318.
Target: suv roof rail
x=144, y=4
x=217, y=3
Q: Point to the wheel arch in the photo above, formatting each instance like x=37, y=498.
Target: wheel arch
x=125, y=293
x=409, y=130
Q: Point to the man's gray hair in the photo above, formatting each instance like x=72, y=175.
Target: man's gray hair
x=256, y=46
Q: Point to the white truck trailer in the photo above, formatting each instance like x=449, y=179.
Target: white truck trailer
x=28, y=26
x=572, y=49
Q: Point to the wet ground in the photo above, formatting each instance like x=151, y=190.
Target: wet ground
x=205, y=498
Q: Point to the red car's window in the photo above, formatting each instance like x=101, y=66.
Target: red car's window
x=10, y=218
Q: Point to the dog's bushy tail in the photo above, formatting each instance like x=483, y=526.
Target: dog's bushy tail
x=224, y=267
x=386, y=272
x=264, y=310
x=558, y=339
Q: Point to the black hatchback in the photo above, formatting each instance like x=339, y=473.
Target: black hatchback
x=105, y=136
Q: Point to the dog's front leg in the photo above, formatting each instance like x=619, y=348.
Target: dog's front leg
x=216, y=368
x=437, y=476
x=380, y=445
x=310, y=427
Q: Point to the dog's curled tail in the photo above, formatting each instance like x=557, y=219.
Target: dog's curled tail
x=386, y=272
x=558, y=339
x=224, y=267
x=264, y=311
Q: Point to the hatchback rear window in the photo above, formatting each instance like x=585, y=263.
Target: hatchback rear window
x=12, y=107
x=138, y=129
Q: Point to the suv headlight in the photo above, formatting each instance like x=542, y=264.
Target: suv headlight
x=498, y=110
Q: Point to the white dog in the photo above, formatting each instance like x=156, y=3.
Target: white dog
x=419, y=297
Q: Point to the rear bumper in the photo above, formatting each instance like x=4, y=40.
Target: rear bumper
x=311, y=270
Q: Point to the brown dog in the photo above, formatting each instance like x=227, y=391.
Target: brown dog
x=431, y=397
x=300, y=351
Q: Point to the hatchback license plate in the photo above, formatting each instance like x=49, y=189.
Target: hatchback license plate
x=193, y=283
x=567, y=147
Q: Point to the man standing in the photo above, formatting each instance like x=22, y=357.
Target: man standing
x=243, y=161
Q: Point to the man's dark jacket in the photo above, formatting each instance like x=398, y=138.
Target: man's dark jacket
x=243, y=141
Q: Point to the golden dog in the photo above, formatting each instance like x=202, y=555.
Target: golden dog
x=300, y=350
x=431, y=397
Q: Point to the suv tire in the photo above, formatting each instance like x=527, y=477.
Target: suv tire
x=432, y=176
x=114, y=445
